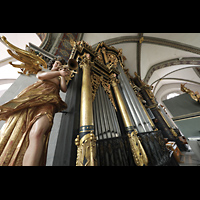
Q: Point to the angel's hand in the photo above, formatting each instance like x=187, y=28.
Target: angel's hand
x=65, y=72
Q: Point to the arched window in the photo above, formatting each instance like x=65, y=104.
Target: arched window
x=172, y=95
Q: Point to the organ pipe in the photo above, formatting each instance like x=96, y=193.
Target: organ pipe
x=139, y=115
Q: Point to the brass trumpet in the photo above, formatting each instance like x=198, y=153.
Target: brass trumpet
x=71, y=65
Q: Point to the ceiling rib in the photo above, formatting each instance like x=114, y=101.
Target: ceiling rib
x=171, y=62
x=158, y=80
x=163, y=77
x=151, y=40
x=178, y=79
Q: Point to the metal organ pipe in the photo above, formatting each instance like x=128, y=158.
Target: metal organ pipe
x=105, y=118
x=131, y=103
x=103, y=110
x=139, y=124
x=101, y=122
x=134, y=103
x=135, y=121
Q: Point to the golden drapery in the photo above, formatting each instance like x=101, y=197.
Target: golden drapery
x=41, y=98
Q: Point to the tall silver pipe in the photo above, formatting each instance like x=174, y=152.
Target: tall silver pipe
x=103, y=108
x=110, y=117
x=97, y=125
x=139, y=110
x=105, y=118
x=130, y=100
x=101, y=120
x=114, y=119
x=132, y=108
x=134, y=101
x=135, y=121
x=132, y=95
x=105, y=113
x=134, y=112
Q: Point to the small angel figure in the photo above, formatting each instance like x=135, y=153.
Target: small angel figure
x=29, y=118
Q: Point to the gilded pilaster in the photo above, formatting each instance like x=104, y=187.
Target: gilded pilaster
x=86, y=117
x=138, y=152
x=86, y=141
x=123, y=110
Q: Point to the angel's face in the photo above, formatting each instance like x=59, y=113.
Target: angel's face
x=56, y=66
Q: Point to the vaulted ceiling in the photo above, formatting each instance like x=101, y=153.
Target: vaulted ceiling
x=163, y=60
x=172, y=57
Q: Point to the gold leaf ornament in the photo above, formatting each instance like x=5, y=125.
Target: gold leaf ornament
x=30, y=62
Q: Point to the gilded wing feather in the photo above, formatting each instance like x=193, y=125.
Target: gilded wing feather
x=30, y=62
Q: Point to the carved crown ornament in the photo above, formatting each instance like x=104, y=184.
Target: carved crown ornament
x=104, y=61
x=105, y=58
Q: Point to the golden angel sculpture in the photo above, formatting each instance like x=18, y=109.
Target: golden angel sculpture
x=29, y=116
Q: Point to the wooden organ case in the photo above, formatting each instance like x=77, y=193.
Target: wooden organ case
x=115, y=127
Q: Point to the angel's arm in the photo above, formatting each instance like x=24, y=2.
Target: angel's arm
x=63, y=73
x=63, y=85
x=47, y=75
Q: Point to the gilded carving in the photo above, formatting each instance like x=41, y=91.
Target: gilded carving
x=138, y=152
x=112, y=59
x=106, y=86
x=96, y=81
x=86, y=150
x=194, y=95
x=99, y=56
x=30, y=62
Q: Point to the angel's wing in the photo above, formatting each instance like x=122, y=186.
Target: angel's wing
x=30, y=62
